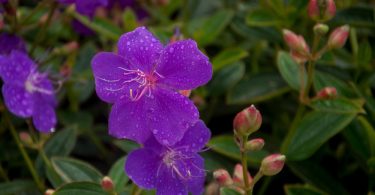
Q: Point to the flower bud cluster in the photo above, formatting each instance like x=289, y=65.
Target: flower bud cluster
x=299, y=50
x=247, y=121
x=321, y=10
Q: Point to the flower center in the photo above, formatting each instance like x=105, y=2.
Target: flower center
x=32, y=82
x=178, y=163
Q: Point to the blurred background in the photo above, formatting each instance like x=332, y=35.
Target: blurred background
x=330, y=146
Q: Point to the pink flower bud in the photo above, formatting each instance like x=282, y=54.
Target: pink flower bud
x=238, y=175
x=107, y=184
x=338, y=37
x=222, y=177
x=254, y=144
x=272, y=164
x=49, y=192
x=297, y=57
x=247, y=121
x=327, y=93
x=185, y=93
x=25, y=138
x=295, y=42
x=321, y=10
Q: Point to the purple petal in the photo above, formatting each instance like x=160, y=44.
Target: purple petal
x=196, y=167
x=66, y=1
x=11, y=42
x=128, y=120
x=195, y=137
x=183, y=66
x=168, y=183
x=82, y=29
x=109, y=76
x=171, y=114
x=44, y=117
x=46, y=85
x=142, y=166
x=141, y=48
x=88, y=8
x=18, y=100
x=16, y=67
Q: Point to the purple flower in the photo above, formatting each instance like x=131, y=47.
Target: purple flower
x=3, y=1
x=172, y=170
x=26, y=92
x=142, y=81
x=11, y=42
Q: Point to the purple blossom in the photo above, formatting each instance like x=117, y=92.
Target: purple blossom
x=142, y=81
x=171, y=170
x=11, y=42
x=27, y=92
x=3, y=1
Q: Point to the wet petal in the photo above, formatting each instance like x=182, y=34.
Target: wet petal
x=142, y=166
x=128, y=120
x=110, y=80
x=195, y=137
x=169, y=183
x=141, y=48
x=16, y=68
x=44, y=117
x=196, y=182
x=170, y=115
x=183, y=66
x=18, y=100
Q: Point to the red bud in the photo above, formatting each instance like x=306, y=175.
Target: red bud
x=272, y=164
x=247, y=121
x=49, y=192
x=107, y=184
x=238, y=175
x=327, y=93
x=254, y=144
x=321, y=10
x=338, y=37
x=222, y=177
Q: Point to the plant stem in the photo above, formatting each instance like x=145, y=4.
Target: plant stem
x=42, y=32
x=34, y=11
x=134, y=189
x=244, y=165
x=24, y=153
x=255, y=180
x=3, y=174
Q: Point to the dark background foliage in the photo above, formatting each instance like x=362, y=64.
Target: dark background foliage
x=330, y=146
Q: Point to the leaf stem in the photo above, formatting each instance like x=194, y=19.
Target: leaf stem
x=24, y=154
x=244, y=165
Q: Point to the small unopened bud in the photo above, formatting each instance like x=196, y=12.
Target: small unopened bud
x=321, y=29
x=107, y=184
x=49, y=192
x=272, y=164
x=338, y=37
x=321, y=10
x=295, y=42
x=247, y=121
x=25, y=138
x=297, y=57
x=238, y=175
x=327, y=93
x=185, y=93
x=254, y=144
x=222, y=177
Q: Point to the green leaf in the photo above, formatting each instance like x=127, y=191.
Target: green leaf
x=117, y=174
x=224, y=144
x=226, y=78
x=227, y=57
x=263, y=17
x=257, y=88
x=17, y=187
x=126, y=145
x=313, y=131
x=228, y=191
x=364, y=55
x=209, y=28
x=108, y=25
x=80, y=188
x=360, y=16
x=302, y=190
x=290, y=70
x=312, y=173
x=361, y=137
x=60, y=144
x=129, y=20
x=75, y=170
x=322, y=80
x=339, y=105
